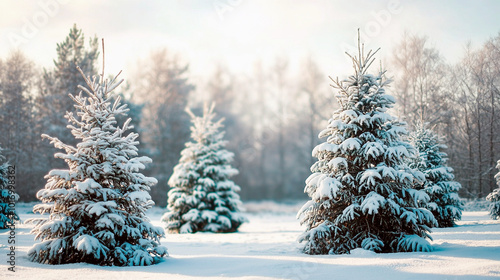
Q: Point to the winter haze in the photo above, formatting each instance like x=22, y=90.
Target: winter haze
x=238, y=33
x=239, y=139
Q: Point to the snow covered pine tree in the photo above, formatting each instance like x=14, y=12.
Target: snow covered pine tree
x=444, y=201
x=494, y=198
x=202, y=198
x=8, y=197
x=361, y=189
x=97, y=206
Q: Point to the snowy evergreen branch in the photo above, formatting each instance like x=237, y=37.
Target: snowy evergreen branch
x=494, y=198
x=8, y=197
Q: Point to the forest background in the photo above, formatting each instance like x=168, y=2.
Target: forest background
x=265, y=66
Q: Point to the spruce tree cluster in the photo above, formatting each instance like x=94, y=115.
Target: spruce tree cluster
x=444, y=201
x=97, y=205
x=361, y=188
x=202, y=196
x=494, y=197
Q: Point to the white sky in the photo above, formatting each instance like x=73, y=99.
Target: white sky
x=238, y=32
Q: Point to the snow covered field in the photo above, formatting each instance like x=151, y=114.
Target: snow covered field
x=265, y=248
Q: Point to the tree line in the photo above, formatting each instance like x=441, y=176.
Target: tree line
x=460, y=101
x=272, y=116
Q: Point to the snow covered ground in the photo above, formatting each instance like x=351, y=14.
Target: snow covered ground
x=265, y=248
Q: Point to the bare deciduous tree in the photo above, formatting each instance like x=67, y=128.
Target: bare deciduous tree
x=419, y=82
x=18, y=123
x=478, y=78
x=163, y=87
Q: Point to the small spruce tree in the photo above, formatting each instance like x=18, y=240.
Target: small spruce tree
x=444, y=201
x=494, y=198
x=97, y=206
x=202, y=196
x=8, y=198
x=361, y=188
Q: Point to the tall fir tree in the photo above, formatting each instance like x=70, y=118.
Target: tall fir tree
x=494, y=198
x=361, y=189
x=202, y=196
x=64, y=79
x=97, y=206
x=444, y=201
x=8, y=196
